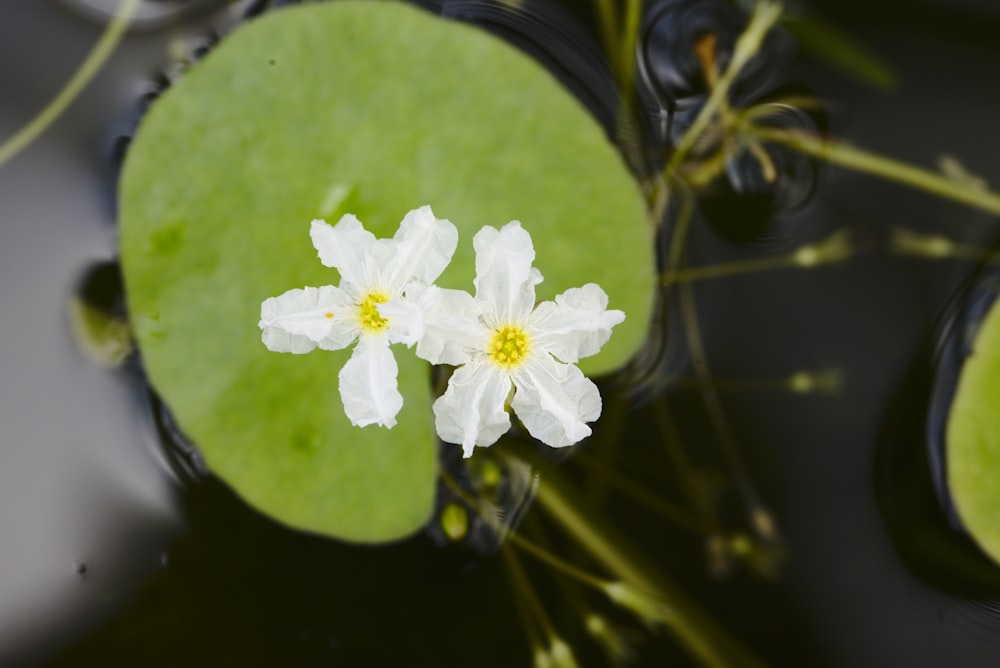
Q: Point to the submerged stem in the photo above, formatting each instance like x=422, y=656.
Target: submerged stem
x=608, y=23
x=713, y=404
x=536, y=551
x=860, y=160
x=87, y=70
x=835, y=248
x=903, y=241
x=765, y=15
x=523, y=587
x=686, y=473
x=674, y=514
x=696, y=632
x=630, y=35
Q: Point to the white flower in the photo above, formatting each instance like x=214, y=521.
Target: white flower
x=373, y=272
x=503, y=340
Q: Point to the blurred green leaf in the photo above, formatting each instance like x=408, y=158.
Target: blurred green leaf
x=973, y=439
x=372, y=109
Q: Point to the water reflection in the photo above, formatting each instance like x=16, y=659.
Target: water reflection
x=87, y=507
x=673, y=84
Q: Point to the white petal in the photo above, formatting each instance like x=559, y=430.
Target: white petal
x=406, y=315
x=344, y=247
x=443, y=322
x=421, y=249
x=576, y=324
x=505, y=280
x=554, y=401
x=298, y=321
x=368, y=384
x=471, y=411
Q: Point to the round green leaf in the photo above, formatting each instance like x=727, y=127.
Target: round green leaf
x=973, y=439
x=372, y=109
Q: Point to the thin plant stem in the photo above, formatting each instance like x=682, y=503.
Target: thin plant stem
x=534, y=550
x=692, y=274
x=723, y=430
x=568, y=585
x=561, y=565
x=765, y=15
x=630, y=36
x=628, y=130
x=937, y=247
x=827, y=381
x=607, y=21
x=837, y=247
x=94, y=61
x=678, y=237
x=709, y=644
x=535, y=641
x=697, y=632
x=668, y=511
x=527, y=593
x=612, y=432
x=860, y=160
x=685, y=471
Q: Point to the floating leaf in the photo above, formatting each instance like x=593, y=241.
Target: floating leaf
x=973, y=439
x=372, y=109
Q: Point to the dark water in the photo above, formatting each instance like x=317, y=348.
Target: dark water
x=108, y=559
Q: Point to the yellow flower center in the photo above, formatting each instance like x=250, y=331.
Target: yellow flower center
x=371, y=319
x=509, y=346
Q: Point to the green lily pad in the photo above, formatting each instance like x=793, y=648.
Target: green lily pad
x=973, y=439
x=373, y=109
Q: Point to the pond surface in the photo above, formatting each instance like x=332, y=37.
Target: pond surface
x=109, y=559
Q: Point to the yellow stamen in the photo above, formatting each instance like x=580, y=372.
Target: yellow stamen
x=509, y=346
x=371, y=319
x=329, y=315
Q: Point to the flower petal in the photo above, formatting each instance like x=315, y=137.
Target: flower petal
x=300, y=319
x=344, y=246
x=406, y=319
x=421, y=249
x=576, y=324
x=554, y=401
x=471, y=411
x=443, y=323
x=368, y=384
x=505, y=280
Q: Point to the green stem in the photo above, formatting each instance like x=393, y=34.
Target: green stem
x=668, y=511
x=88, y=69
x=698, y=633
x=686, y=473
x=534, y=550
x=523, y=586
x=765, y=15
x=607, y=23
x=691, y=274
x=713, y=404
x=854, y=158
x=630, y=35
